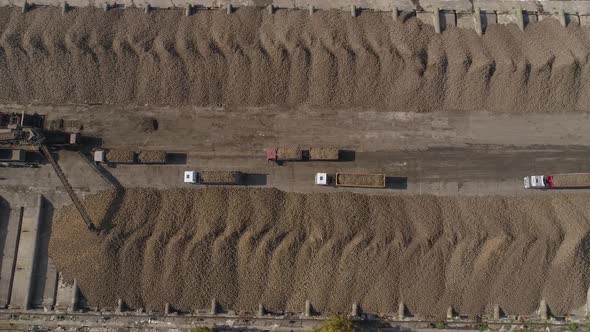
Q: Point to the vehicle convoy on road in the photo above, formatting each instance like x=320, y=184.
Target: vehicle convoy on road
x=558, y=181
x=214, y=177
x=124, y=156
x=360, y=180
x=282, y=154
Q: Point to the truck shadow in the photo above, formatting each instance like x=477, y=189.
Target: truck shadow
x=394, y=182
x=89, y=142
x=254, y=179
x=176, y=158
x=37, y=158
x=346, y=155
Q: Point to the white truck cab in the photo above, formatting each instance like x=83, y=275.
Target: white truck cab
x=321, y=179
x=191, y=177
x=535, y=181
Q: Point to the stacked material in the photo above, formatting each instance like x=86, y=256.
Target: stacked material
x=571, y=180
x=245, y=246
x=220, y=177
x=360, y=180
x=289, y=153
x=120, y=156
x=249, y=58
x=323, y=154
x=152, y=157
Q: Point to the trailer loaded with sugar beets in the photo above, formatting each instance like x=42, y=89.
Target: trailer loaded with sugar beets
x=558, y=181
x=282, y=154
x=359, y=180
x=124, y=156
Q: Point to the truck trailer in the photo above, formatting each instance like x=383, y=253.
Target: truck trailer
x=359, y=180
x=282, y=154
x=558, y=181
x=124, y=156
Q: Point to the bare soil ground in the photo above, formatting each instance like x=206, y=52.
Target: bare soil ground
x=250, y=246
x=251, y=58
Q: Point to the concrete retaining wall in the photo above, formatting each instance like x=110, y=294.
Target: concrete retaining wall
x=26, y=259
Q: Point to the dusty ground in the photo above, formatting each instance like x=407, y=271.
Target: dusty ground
x=440, y=153
x=250, y=246
x=250, y=58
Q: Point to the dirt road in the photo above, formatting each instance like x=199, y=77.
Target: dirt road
x=442, y=153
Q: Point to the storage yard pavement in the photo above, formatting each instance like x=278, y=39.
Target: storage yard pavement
x=444, y=153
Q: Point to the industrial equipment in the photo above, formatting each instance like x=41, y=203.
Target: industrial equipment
x=21, y=132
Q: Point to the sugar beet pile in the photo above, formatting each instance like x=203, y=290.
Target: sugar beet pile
x=251, y=58
x=250, y=246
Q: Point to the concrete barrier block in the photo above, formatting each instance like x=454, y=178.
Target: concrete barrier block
x=519, y=15
x=497, y=312
x=561, y=17
x=401, y=311
x=543, y=310
x=75, y=297
x=355, y=312
x=307, y=310
x=214, y=307
x=477, y=21
x=436, y=20
x=450, y=313
x=167, y=309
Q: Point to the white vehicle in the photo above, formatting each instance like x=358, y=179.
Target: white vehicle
x=191, y=177
x=558, y=181
x=321, y=179
x=534, y=181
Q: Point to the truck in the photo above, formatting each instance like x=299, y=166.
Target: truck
x=125, y=156
x=282, y=154
x=558, y=181
x=359, y=180
x=214, y=177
